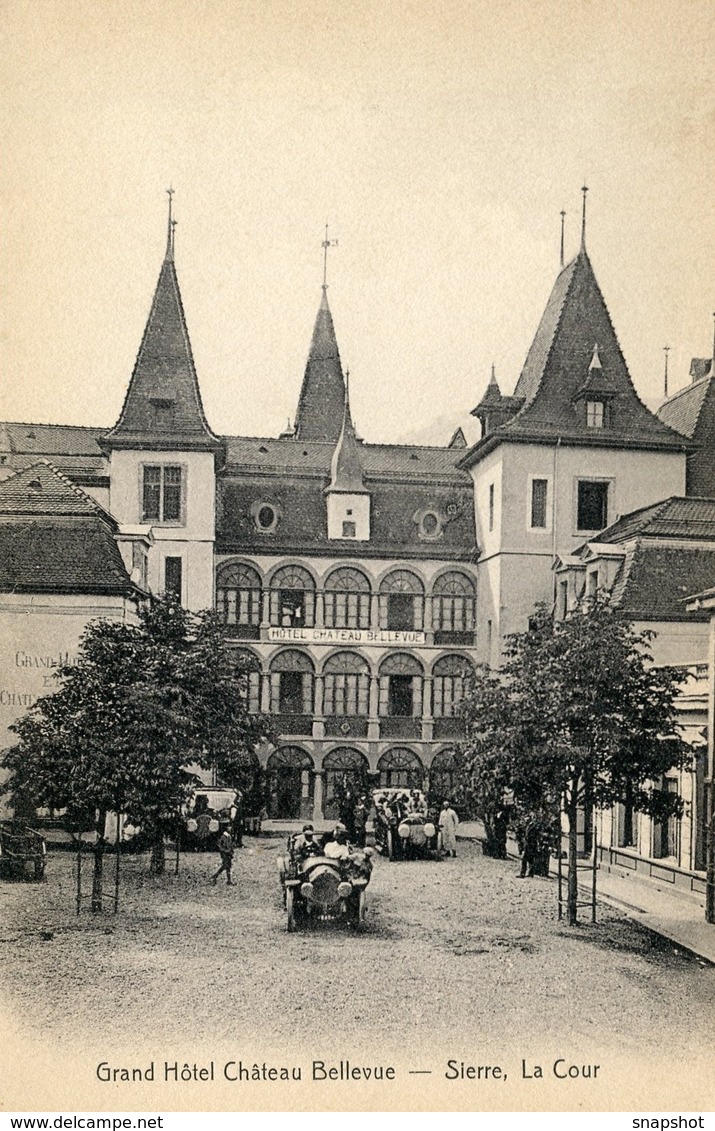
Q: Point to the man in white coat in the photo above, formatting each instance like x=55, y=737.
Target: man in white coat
x=448, y=821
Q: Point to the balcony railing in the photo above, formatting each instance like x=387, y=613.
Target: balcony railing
x=346, y=726
x=293, y=724
x=399, y=726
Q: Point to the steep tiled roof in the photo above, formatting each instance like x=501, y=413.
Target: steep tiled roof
x=682, y=410
x=46, y=555
x=655, y=581
x=556, y=370
x=248, y=453
x=346, y=467
x=322, y=396
x=55, y=538
x=41, y=489
x=162, y=408
x=676, y=517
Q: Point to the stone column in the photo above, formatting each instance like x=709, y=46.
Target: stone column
x=427, y=720
x=319, y=608
x=317, y=795
x=318, y=717
x=265, y=608
x=374, y=611
x=265, y=693
x=373, y=710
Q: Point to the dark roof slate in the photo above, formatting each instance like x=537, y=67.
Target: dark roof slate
x=556, y=370
x=322, y=396
x=655, y=581
x=50, y=554
x=42, y=490
x=682, y=410
x=676, y=517
x=163, y=405
x=408, y=461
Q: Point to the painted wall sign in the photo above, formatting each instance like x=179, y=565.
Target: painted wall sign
x=380, y=637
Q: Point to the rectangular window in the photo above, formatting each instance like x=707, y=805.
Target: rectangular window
x=592, y=504
x=172, y=577
x=491, y=506
x=162, y=494
x=348, y=530
x=595, y=414
x=592, y=587
x=539, y=489
x=400, y=696
x=292, y=607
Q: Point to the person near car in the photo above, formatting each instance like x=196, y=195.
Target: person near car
x=448, y=821
x=203, y=829
x=305, y=844
x=337, y=847
x=225, y=847
x=360, y=822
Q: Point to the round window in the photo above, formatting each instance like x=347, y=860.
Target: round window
x=430, y=524
x=266, y=517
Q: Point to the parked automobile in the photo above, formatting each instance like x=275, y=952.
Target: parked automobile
x=404, y=830
x=324, y=888
x=23, y=852
x=202, y=818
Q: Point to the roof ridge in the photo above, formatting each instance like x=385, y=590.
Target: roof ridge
x=685, y=389
x=83, y=496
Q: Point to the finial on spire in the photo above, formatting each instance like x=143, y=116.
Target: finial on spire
x=584, y=190
x=170, y=227
x=666, y=351
x=563, y=222
x=325, y=245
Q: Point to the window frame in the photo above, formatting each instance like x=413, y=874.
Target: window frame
x=548, y=504
x=182, y=468
x=593, y=480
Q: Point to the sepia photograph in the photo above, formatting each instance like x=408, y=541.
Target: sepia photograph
x=357, y=556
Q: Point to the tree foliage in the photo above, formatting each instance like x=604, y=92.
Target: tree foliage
x=578, y=715
x=140, y=704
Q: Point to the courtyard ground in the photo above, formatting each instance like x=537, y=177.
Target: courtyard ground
x=460, y=960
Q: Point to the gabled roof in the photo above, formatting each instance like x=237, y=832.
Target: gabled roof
x=322, y=396
x=682, y=410
x=676, y=517
x=41, y=489
x=557, y=368
x=54, y=538
x=162, y=408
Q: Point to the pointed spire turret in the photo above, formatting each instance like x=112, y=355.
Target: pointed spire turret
x=321, y=405
x=162, y=408
x=346, y=473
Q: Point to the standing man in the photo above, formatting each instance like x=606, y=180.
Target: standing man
x=448, y=821
x=359, y=822
x=225, y=847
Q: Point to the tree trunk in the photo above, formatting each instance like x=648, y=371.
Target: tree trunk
x=494, y=843
x=97, y=876
x=572, y=889
x=157, y=866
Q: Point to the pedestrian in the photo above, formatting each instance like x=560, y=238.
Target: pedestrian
x=529, y=850
x=448, y=821
x=359, y=822
x=225, y=847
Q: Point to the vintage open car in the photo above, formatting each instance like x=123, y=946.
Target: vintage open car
x=324, y=888
x=404, y=830
x=23, y=852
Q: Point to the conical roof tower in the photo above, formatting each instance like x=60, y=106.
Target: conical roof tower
x=321, y=405
x=346, y=473
x=162, y=409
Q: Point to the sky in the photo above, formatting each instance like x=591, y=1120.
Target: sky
x=440, y=142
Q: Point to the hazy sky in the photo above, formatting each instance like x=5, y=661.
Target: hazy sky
x=441, y=140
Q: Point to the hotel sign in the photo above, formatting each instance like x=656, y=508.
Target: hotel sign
x=379, y=637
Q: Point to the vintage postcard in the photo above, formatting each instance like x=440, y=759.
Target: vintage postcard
x=369, y=327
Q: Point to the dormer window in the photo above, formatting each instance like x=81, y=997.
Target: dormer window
x=595, y=414
x=163, y=411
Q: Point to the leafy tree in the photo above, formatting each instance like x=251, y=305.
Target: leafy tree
x=139, y=705
x=587, y=718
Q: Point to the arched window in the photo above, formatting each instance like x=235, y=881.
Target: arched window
x=345, y=777
x=292, y=691
x=292, y=598
x=289, y=783
x=450, y=681
x=250, y=667
x=441, y=776
x=400, y=697
x=347, y=599
x=400, y=767
x=347, y=685
x=238, y=600
x=401, y=601
x=453, y=608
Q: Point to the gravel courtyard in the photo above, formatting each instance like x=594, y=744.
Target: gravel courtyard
x=459, y=955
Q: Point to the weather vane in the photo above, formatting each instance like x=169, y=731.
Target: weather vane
x=325, y=245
